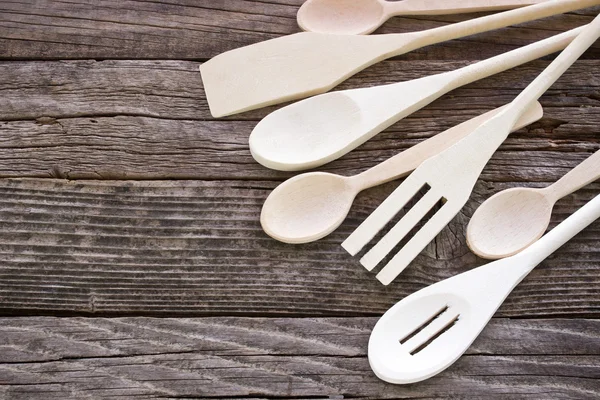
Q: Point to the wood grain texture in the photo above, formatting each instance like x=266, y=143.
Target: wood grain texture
x=202, y=29
x=173, y=89
x=194, y=248
x=53, y=358
x=149, y=120
x=197, y=248
x=126, y=147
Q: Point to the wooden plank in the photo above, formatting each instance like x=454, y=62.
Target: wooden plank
x=173, y=89
x=138, y=120
x=54, y=358
x=202, y=29
x=196, y=248
x=126, y=147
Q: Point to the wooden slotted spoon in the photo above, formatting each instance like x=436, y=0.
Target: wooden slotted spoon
x=429, y=330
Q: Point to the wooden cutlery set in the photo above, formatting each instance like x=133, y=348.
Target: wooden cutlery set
x=427, y=331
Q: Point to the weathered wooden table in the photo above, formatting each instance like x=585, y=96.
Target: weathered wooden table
x=132, y=262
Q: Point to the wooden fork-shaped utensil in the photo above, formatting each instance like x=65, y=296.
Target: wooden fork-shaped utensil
x=452, y=174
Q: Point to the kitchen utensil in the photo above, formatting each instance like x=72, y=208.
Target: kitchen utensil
x=451, y=175
x=359, y=17
x=314, y=131
x=513, y=219
x=429, y=330
x=309, y=206
x=307, y=63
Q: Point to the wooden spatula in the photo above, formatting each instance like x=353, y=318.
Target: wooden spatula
x=305, y=64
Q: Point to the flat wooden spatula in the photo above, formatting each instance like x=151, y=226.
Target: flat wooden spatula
x=305, y=64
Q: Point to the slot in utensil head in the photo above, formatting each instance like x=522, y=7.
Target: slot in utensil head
x=426, y=332
x=416, y=337
x=382, y=215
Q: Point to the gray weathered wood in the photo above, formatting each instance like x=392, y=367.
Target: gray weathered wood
x=148, y=120
x=126, y=147
x=173, y=89
x=52, y=358
x=48, y=29
x=196, y=247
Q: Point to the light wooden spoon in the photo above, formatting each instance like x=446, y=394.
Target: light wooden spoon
x=429, y=330
x=310, y=206
x=304, y=64
x=359, y=17
x=513, y=219
x=315, y=131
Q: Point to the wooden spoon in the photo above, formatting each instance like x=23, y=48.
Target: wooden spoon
x=359, y=17
x=315, y=131
x=513, y=219
x=310, y=206
x=429, y=330
x=304, y=64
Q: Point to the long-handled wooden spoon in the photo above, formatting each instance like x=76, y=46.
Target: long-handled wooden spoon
x=513, y=219
x=307, y=63
x=429, y=330
x=314, y=131
x=359, y=17
x=310, y=206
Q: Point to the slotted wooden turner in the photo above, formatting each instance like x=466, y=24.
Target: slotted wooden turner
x=429, y=330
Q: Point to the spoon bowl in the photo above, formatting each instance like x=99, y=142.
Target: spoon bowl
x=341, y=16
x=307, y=207
x=304, y=135
x=508, y=222
x=512, y=220
x=320, y=129
x=360, y=17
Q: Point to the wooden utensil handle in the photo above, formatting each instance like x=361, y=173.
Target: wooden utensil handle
x=496, y=21
x=586, y=172
x=402, y=164
x=511, y=59
x=558, y=67
x=553, y=240
x=440, y=7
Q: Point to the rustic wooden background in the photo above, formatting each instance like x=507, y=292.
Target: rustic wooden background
x=132, y=262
